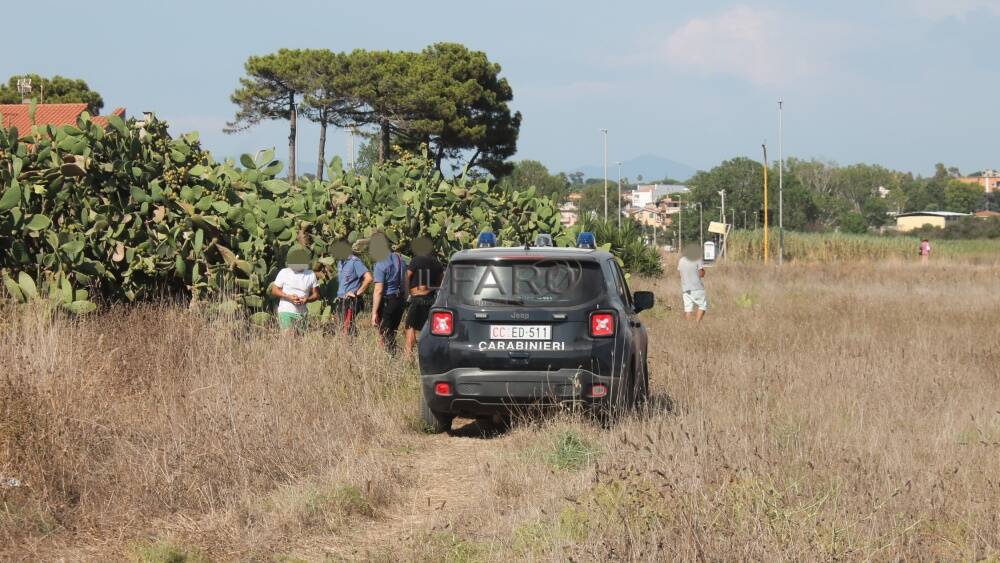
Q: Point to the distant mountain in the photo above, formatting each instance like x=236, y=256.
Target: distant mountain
x=651, y=167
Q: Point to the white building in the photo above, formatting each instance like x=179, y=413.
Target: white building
x=651, y=193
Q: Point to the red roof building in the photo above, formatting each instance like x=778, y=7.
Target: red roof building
x=16, y=115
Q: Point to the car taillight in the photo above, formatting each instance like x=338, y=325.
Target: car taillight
x=442, y=388
x=442, y=323
x=598, y=390
x=602, y=324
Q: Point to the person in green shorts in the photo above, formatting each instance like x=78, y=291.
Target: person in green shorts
x=295, y=286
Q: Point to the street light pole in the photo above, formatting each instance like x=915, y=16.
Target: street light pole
x=619, y=196
x=701, y=224
x=725, y=237
x=764, y=146
x=680, y=224
x=605, y=131
x=781, y=192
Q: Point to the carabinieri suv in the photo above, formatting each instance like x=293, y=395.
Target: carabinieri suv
x=518, y=328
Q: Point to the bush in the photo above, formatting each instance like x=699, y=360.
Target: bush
x=625, y=242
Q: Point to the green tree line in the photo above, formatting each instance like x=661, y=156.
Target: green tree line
x=446, y=97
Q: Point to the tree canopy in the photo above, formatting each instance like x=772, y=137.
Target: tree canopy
x=446, y=97
x=55, y=90
x=527, y=173
x=270, y=90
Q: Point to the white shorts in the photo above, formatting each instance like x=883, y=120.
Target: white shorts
x=693, y=298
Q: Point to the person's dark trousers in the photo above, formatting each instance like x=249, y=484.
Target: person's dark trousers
x=348, y=309
x=389, y=316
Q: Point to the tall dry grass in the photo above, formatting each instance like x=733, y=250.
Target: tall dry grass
x=748, y=245
x=842, y=411
x=114, y=424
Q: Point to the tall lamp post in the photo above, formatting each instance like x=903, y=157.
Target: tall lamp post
x=725, y=236
x=701, y=224
x=764, y=146
x=781, y=192
x=680, y=224
x=605, y=131
x=619, y=195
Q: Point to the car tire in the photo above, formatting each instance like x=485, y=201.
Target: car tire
x=434, y=422
x=638, y=385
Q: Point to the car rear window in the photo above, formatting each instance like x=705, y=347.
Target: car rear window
x=514, y=283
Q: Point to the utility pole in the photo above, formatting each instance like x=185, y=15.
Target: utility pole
x=351, y=146
x=725, y=237
x=764, y=146
x=701, y=225
x=619, y=195
x=605, y=131
x=781, y=191
x=680, y=224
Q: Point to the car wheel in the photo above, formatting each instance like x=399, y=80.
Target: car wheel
x=638, y=385
x=434, y=422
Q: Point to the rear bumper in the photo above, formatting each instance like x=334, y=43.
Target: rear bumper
x=477, y=392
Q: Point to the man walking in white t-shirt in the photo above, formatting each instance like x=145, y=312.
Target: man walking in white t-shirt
x=295, y=286
x=692, y=270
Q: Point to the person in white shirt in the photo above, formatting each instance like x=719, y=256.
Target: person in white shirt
x=692, y=270
x=295, y=286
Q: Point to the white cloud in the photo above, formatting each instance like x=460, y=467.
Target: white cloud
x=941, y=9
x=763, y=46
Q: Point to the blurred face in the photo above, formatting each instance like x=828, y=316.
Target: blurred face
x=378, y=248
x=341, y=249
x=421, y=246
x=297, y=259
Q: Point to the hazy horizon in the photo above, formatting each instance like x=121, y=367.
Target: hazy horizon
x=905, y=84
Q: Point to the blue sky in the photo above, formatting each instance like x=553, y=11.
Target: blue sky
x=904, y=83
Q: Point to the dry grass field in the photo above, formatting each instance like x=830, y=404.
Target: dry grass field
x=821, y=412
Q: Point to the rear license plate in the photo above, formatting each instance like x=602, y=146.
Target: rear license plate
x=520, y=332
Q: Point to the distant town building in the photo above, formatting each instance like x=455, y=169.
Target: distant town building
x=988, y=179
x=649, y=215
x=644, y=195
x=906, y=222
x=18, y=115
x=569, y=213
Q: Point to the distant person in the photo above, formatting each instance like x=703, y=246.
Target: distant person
x=389, y=296
x=295, y=286
x=353, y=279
x=692, y=270
x=925, y=251
x=423, y=277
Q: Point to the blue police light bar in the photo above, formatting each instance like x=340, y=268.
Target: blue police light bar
x=586, y=239
x=544, y=239
x=486, y=240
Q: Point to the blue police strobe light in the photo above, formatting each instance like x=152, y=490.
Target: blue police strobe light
x=486, y=240
x=586, y=239
x=544, y=239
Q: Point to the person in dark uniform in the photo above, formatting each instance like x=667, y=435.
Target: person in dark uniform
x=423, y=277
x=353, y=279
x=389, y=296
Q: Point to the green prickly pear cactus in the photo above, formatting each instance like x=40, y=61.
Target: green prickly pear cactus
x=129, y=213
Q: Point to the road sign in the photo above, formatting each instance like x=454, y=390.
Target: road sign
x=718, y=228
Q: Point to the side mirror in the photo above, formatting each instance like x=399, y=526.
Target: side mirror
x=643, y=300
